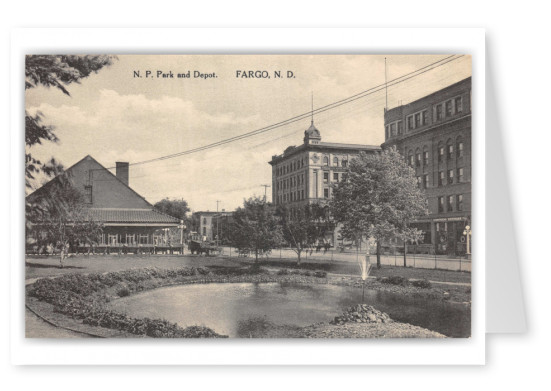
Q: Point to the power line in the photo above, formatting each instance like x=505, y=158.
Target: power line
x=300, y=117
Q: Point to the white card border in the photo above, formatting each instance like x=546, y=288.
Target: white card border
x=238, y=352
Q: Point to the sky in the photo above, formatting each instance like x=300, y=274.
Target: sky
x=115, y=115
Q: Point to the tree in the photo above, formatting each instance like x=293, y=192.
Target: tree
x=303, y=227
x=56, y=71
x=378, y=198
x=57, y=217
x=255, y=227
x=174, y=208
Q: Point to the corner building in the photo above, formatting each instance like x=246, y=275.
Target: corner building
x=434, y=135
x=305, y=174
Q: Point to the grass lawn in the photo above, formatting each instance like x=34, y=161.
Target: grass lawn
x=42, y=266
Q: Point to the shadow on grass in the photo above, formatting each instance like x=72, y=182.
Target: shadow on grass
x=43, y=266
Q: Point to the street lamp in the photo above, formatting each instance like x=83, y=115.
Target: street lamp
x=467, y=233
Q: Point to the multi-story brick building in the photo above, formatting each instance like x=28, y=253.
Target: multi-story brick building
x=434, y=135
x=305, y=174
x=212, y=225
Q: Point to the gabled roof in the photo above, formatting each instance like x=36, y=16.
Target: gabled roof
x=114, y=177
x=117, y=215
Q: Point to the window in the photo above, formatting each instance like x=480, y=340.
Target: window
x=438, y=112
x=393, y=129
x=410, y=122
x=336, y=161
x=345, y=163
x=419, y=182
x=204, y=220
x=130, y=239
x=448, y=108
x=144, y=239
x=440, y=204
x=440, y=154
x=417, y=120
x=450, y=203
x=460, y=149
x=336, y=176
x=450, y=151
x=113, y=240
x=441, y=178
x=325, y=177
x=425, y=117
x=325, y=161
x=426, y=158
x=450, y=177
x=88, y=194
x=425, y=181
x=326, y=193
x=387, y=131
x=458, y=105
x=418, y=159
x=411, y=159
x=460, y=175
x=302, y=194
x=204, y=231
x=400, y=127
x=460, y=202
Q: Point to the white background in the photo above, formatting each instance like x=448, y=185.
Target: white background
x=517, y=48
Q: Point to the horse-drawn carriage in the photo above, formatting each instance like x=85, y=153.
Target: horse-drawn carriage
x=199, y=246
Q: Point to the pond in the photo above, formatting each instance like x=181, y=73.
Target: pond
x=226, y=307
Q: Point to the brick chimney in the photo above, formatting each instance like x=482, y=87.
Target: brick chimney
x=122, y=171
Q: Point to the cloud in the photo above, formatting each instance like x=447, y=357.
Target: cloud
x=114, y=117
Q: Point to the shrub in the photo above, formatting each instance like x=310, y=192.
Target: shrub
x=422, y=283
x=395, y=280
x=320, y=274
x=123, y=291
x=283, y=272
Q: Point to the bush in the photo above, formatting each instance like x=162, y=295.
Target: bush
x=79, y=296
x=422, y=283
x=283, y=272
x=320, y=274
x=123, y=291
x=395, y=280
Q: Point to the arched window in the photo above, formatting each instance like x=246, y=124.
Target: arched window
x=410, y=158
x=417, y=157
x=325, y=161
x=336, y=161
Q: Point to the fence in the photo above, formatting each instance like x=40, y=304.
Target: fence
x=422, y=261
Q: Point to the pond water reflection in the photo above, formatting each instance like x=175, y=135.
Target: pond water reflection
x=223, y=306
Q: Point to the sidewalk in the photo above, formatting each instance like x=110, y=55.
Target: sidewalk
x=422, y=261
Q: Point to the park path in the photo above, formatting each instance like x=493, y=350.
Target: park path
x=35, y=327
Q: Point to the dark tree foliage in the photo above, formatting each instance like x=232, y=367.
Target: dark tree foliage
x=255, y=227
x=174, y=208
x=56, y=71
x=303, y=227
x=378, y=198
x=61, y=70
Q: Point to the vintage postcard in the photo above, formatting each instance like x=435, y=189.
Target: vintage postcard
x=248, y=196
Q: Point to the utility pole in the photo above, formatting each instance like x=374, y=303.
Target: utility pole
x=386, y=90
x=217, y=220
x=265, y=189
